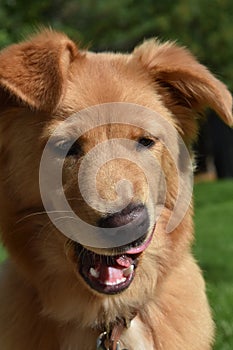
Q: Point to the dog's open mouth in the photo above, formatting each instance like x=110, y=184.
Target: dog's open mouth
x=111, y=274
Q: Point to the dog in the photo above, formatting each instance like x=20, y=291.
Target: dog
x=67, y=288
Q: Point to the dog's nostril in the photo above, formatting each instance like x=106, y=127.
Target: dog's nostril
x=132, y=213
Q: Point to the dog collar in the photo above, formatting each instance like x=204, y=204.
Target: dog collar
x=110, y=338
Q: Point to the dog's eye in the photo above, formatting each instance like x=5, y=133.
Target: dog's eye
x=146, y=142
x=68, y=148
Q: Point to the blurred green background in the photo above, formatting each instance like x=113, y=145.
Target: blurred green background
x=213, y=250
x=206, y=27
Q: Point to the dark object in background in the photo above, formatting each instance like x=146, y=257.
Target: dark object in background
x=222, y=144
x=215, y=143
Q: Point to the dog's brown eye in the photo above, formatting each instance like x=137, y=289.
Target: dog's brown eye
x=67, y=148
x=146, y=142
x=74, y=150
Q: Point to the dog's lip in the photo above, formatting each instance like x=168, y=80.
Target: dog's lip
x=110, y=274
x=140, y=248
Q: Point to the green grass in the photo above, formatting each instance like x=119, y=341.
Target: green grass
x=214, y=252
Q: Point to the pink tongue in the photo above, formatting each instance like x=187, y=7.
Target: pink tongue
x=114, y=274
x=110, y=274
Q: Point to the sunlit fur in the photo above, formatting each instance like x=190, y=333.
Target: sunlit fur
x=44, y=302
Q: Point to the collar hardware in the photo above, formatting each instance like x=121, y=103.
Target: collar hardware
x=110, y=339
x=104, y=343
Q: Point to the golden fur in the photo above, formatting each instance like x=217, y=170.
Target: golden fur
x=44, y=303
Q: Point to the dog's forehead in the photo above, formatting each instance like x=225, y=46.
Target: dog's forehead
x=107, y=78
x=108, y=67
x=101, y=78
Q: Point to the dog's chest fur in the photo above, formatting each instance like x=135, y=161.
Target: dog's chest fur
x=137, y=337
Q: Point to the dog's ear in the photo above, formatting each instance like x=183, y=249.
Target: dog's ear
x=185, y=85
x=34, y=72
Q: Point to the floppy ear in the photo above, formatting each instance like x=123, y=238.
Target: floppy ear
x=35, y=72
x=185, y=85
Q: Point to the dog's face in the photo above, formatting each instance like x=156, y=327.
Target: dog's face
x=44, y=82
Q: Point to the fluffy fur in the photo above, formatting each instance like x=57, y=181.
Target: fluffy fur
x=44, y=302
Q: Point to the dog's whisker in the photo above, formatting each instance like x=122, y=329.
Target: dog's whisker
x=63, y=218
x=42, y=213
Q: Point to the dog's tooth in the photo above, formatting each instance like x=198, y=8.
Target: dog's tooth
x=115, y=283
x=128, y=271
x=120, y=280
x=94, y=273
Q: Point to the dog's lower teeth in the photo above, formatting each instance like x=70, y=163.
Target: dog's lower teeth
x=115, y=283
x=128, y=270
x=94, y=273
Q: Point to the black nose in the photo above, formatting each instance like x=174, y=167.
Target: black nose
x=134, y=216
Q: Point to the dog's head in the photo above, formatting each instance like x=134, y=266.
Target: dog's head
x=102, y=119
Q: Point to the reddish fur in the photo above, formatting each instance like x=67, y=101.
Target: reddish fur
x=44, y=303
